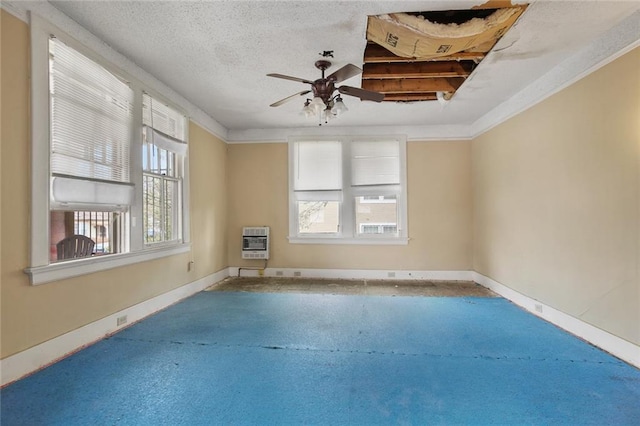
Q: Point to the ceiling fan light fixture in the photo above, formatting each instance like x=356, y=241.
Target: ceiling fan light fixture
x=317, y=104
x=327, y=114
x=339, y=107
x=307, y=110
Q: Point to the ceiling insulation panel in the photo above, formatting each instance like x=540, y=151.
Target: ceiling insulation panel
x=413, y=56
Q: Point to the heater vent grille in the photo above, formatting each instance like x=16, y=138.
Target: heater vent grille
x=255, y=242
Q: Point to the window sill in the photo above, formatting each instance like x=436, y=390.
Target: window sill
x=397, y=241
x=74, y=268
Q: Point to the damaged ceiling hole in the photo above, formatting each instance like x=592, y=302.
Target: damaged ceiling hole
x=423, y=56
x=453, y=16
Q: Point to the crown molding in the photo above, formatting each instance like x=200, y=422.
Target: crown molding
x=413, y=133
x=614, y=43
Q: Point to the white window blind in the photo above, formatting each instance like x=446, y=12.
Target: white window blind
x=91, y=118
x=317, y=166
x=165, y=126
x=375, y=163
x=71, y=192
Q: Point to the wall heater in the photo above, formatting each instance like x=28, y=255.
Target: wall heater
x=255, y=242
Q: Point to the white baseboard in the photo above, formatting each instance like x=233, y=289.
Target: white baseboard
x=28, y=361
x=369, y=274
x=616, y=346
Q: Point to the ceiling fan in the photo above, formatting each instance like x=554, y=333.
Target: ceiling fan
x=324, y=103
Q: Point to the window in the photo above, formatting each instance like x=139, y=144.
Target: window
x=317, y=187
x=109, y=161
x=90, y=130
x=326, y=174
x=163, y=150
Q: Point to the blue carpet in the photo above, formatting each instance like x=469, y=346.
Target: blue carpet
x=250, y=358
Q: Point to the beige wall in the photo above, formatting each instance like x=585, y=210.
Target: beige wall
x=33, y=314
x=557, y=200
x=208, y=167
x=439, y=211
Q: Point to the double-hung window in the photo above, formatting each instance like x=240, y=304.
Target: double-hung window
x=91, y=119
x=317, y=187
x=347, y=190
x=163, y=151
x=109, y=163
x=376, y=187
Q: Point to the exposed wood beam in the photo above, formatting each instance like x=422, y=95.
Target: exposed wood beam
x=410, y=97
x=412, y=85
x=374, y=53
x=417, y=70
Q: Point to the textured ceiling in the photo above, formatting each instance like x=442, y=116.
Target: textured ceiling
x=216, y=54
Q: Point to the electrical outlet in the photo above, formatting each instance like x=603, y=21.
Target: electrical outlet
x=121, y=320
x=391, y=274
x=279, y=273
x=538, y=308
x=297, y=274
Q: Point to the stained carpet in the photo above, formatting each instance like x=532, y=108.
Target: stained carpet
x=283, y=358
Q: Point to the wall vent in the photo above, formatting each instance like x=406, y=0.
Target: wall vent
x=255, y=242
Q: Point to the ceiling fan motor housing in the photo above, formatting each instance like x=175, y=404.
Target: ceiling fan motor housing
x=323, y=88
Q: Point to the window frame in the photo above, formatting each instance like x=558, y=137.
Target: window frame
x=380, y=199
x=347, y=232
x=40, y=269
x=378, y=225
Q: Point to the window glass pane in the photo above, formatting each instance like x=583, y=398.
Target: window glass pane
x=103, y=228
x=153, y=209
x=318, y=217
x=169, y=211
x=376, y=215
x=160, y=206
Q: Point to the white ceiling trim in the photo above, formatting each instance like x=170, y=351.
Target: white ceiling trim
x=412, y=133
x=611, y=45
x=54, y=16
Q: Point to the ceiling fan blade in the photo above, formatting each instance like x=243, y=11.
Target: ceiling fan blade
x=344, y=73
x=288, y=98
x=287, y=77
x=365, y=95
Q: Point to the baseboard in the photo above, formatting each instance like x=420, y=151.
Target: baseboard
x=616, y=346
x=33, y=359
x=369, y=274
